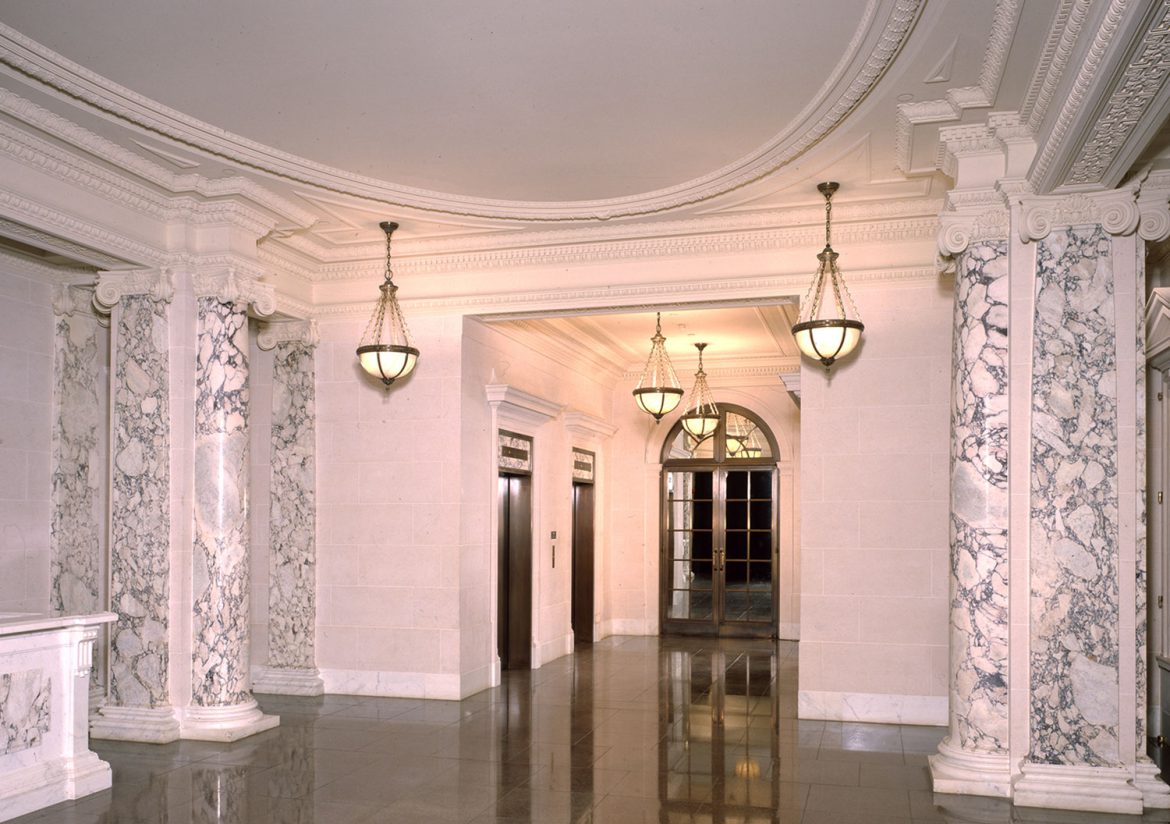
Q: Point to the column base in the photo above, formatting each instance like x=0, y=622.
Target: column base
x=25, y=790
x=149, y=726
x=1068, y=787
x=955, y=771
x=1155, y=792
x=287, y=681
x=225, y=724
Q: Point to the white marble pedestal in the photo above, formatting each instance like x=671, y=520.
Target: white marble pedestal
x=44, y=711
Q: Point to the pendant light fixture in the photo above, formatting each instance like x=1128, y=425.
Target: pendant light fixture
x=385, y=350
x=702, y=415
x=658, y=389
x=829, y=338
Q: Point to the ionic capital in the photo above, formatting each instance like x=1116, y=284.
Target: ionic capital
x=301, y=332
x=156, y=284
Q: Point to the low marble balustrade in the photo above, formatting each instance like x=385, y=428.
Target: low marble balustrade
x=45, y=663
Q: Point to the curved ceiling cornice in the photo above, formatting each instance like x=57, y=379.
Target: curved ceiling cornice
x=884, y=28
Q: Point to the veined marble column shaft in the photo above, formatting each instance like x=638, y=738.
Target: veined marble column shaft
x=292, y=666
x=974, y=757
x=138, y=706
x=78, y=566
x=1074, y=639
x=222, y=706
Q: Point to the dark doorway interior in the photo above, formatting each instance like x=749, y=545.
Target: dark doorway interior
x=583, y=563
x=514, y=594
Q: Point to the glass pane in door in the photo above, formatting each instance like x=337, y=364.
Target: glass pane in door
x=690, y=544
x=748, y=523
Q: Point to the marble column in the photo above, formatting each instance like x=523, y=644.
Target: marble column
x=78, y=564
x=221, y=707
x=974, y=758
x=292, y=577
x=138, y=706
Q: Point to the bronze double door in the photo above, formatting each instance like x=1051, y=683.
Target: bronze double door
x=719, y=551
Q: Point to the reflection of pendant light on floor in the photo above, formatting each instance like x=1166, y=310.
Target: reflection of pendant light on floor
x=702, y=415
x=385, y=351
x=658, y=389
x=827, y=339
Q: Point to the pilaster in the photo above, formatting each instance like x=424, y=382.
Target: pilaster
x=292, y=608
x=139, y=705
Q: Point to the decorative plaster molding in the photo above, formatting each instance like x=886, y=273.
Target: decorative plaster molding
x=692, y=294
x=1132, y=97
x=957, y=230
x=800, y=225
x=791, y=382
x=54, y=243
x=1062, y=36
x=24, y=266
x=571, y=253
x=67, y=166
x=585, y=425
x=521, y=406
x=1116, y=211
x=227, y=286
x=302, y=332
x=157, y=284
x=76, y=299
x=1154, y=205
x=1075, y=99
x=99, y=238
x=836, y=99
x=999, y=40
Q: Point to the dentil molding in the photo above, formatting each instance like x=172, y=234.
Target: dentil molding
x=227, y=286
x=1116, y=211
x=300, y=332
x=157, y=284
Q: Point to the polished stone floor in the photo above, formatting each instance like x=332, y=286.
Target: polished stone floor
x=627, y=730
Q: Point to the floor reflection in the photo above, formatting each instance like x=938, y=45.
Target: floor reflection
x=642, y=730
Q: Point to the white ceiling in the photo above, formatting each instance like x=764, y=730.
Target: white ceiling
x=513, y=110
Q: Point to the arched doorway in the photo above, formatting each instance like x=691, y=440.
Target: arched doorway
x=719, y=527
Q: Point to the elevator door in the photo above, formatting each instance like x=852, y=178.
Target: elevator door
x=719, y=552
x=583, y=562
x=514, y=579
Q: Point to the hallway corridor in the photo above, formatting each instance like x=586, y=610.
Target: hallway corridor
x=626, y=730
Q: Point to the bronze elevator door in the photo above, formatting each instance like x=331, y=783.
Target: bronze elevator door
x=583, y=562
x=514, y=579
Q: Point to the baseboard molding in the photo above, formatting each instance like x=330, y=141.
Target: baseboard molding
x=286, y=681
x=873, y=708
x=554, y=649
x=443, y=686
x=630, y=626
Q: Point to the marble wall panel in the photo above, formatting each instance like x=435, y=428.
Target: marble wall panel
x=293, y=512
x=140, y=508
x=79, y=467
x=220, y=559
x=25, y=700
x=1074, y=602
x=979, y=501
